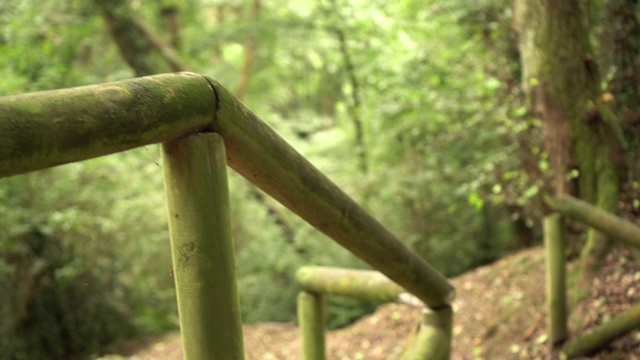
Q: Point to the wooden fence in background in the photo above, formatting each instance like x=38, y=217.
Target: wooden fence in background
x=432, y=340
x=614, y=227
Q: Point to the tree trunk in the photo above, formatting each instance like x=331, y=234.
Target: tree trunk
x=140, y=47
x=170, y=13
x=354, y=102
x=249, y=53
x=581, y=134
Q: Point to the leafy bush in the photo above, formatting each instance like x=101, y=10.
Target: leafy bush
x=84, y=254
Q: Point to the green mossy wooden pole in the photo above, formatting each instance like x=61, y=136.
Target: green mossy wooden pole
x=311, y=315
x=556, y=279
x=617, y=327
x=256, y=152
x=48, y=128
x=202, y=248
x=361, y=284
x=433, y=340
x=593, y=216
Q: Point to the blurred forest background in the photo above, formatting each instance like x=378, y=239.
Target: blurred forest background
x=415, y=108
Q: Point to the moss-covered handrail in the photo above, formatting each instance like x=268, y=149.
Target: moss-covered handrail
x=49, y=128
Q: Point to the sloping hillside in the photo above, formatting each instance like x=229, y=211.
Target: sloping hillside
x=499, y=315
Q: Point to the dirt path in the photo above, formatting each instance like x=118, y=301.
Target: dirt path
x=498, y=315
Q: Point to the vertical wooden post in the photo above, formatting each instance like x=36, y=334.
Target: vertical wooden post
x=556, y=279
x=202, y=248
x=312, y=328
x=433, y=340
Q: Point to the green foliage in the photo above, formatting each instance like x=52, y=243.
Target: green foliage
x=68, y=312
x=268, y=259
x=444, y=129
x=83, y=275
x=51, y=44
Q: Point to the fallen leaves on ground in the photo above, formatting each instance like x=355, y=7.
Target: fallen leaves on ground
x=499, y=314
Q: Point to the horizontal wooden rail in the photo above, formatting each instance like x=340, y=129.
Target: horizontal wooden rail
x=44, y=129
x=593, y=216
x=361, y=284
x=48, y=128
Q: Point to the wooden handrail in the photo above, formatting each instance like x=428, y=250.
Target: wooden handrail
x=48, y=128
x=360, y=284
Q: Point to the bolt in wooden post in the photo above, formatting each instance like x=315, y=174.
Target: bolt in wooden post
x=312, y=329
x=556, y=279
x=202, y=248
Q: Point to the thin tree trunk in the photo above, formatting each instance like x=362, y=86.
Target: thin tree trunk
x=220, y=15
x=143, y=50
x=355, y=107
x=354, y=104
x=249, y=54
x=170, y=12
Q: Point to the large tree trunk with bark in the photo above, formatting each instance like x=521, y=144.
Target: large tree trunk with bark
x=581, y=134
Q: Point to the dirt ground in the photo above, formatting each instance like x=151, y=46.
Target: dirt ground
x=499, y=314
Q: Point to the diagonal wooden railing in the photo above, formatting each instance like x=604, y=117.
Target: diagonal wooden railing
x=202, y=128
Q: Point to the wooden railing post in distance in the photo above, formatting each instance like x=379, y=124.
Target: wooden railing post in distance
x=556, y=279
x=433, y=339
x=202, y=248
x=311, y=318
